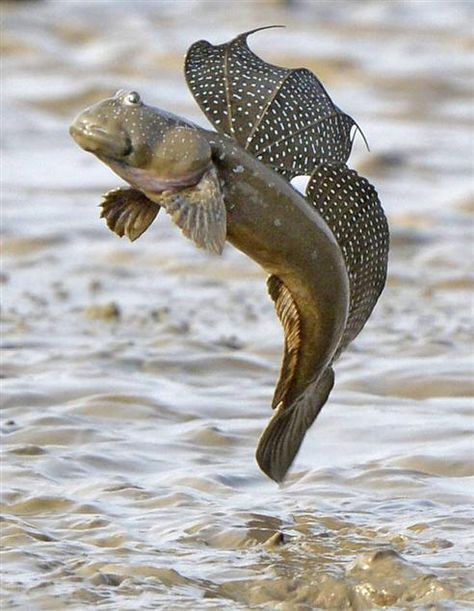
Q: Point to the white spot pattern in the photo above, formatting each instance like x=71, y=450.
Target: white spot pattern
x=283, y=116
x=286, y=119
x=350, y=206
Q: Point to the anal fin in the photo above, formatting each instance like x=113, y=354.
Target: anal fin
x=281, y=440
x=288, y=314
x=128, y=212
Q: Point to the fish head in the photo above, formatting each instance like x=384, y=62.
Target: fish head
x=150, y=148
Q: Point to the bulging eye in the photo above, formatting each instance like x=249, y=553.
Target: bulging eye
x=132, y=98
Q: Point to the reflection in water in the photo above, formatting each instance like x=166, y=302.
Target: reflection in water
x=137, y=378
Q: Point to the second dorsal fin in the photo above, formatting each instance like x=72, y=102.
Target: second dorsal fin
x=351, y=208
x=283, y=116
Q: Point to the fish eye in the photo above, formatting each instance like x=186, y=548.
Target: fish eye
x=132, y=98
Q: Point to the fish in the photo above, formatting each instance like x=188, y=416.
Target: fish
x=325, y=251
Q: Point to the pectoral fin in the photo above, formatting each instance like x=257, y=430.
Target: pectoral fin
x=128, y=212
x=282, y=438
x=199, y=211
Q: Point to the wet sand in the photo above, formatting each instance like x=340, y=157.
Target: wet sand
x=137, y=377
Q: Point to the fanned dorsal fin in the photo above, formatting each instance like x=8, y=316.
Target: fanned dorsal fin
x=283, y=116
x=287, y=311
x=350, y=206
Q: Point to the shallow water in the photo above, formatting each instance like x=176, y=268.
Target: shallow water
x=137, y=378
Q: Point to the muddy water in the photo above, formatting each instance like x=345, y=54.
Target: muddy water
x=137, y=378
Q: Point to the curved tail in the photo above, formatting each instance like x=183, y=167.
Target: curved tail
x=281, y=440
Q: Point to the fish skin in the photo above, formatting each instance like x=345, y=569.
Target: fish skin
x=273, y=224
x=266, y=218
x=153, y=150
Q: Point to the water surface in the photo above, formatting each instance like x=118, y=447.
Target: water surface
x=137, y=378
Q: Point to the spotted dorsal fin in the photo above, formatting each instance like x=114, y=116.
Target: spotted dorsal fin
x=288, y=314
x=283, y=116
x=350, y=206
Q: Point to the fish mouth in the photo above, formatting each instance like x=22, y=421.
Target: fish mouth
x=96, y=139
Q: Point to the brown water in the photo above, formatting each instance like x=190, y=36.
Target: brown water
x=137, y=378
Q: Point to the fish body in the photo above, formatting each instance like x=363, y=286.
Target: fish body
x=272, y=223
x=325, y=253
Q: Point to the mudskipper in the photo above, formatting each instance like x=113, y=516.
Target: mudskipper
x=325, y=252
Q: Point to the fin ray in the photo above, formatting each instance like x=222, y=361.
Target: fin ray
x=250, y=99
x=288, y=314
x=199, y=211
x=128, y=212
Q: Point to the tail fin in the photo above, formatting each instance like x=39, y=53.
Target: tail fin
x=285, y=432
